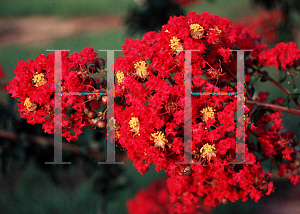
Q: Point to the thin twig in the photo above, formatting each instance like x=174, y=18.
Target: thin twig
x=228, y=71
x=280, y=86
x=273, y=107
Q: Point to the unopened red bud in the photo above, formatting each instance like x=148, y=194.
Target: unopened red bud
x=91, y=114
x=92, y=69
x=100, y=63
x=104, y=100
x=101, y=124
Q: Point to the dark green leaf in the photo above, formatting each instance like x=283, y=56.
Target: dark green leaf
x=251, y=91
x=282, y=76
x=295, y=94
x=254, y=78
x=286, y=102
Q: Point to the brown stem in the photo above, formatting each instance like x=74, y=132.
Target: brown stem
x=228, y=71
x=281, y=87
x=171, y=81
x=273, y=107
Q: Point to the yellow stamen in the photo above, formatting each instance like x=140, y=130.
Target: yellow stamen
x=159, y=139
x=208, y=112
x=30, y=106
x=134, y=125
x=196, y=31
x=175, y=44
x=167, y=31
x=208, y=151
x=39, y=79
x=141, y=69
x=120, y=76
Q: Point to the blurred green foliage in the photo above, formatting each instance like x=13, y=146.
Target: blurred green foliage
x=63, y=7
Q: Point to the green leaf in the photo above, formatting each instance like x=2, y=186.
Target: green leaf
x=254, y=78
x=286, y=102
x=295, y=94
x=282, y=76
x=251, y=91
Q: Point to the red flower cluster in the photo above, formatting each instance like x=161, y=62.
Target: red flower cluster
x=151, y=78
x=2, y=76
x=34, y=85
x=151, y=200
x=149, y=121
x=266, y=24
x=283, y=56
x=2, y=73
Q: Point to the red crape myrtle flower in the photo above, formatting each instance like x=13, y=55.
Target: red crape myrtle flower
x=150, y=122
x=2, y=72
x=2, y=76
x=34, y=87
x=154, y=199
x=266, y=24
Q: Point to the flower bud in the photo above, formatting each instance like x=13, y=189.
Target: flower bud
x=104, y=100
x=94, y=121
x=101, y=124
x=100, y=63
x=92, y=69
x=86, y=110
x=91, y=114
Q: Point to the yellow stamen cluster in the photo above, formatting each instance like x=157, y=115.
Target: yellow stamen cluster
x=134, y=125
x=196, y=31
x=217, y=29
x=167, y=31
x=120, y=76
x=159, y=139
x=39, y=79
x=208, y=112
x=30, y=106
x=141, y=69
x=175, y=44
x=208, y=151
